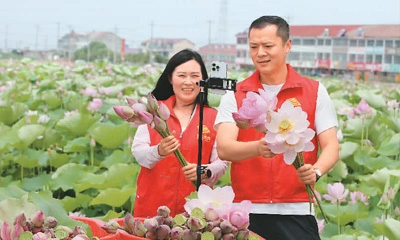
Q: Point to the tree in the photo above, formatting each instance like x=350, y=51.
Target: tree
x=94, y=51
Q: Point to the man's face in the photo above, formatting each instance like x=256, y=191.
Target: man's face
x=267, y=50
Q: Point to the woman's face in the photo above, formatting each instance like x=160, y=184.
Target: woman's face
x=184, y=79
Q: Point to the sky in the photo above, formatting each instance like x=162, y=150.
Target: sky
x=38, y=24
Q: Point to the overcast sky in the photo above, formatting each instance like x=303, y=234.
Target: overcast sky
x=38, y=23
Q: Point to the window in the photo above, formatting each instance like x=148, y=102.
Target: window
x=397, y=43
x=340, y=42
x=296, y=41
x=396, y=59
x=327, y=56
x=379, y=43
x=328, y=42
x=320, y=42
x=353, y=43
x=295, y=56
x=389, y=43
x=369, y=58
x=378, y=58
x=320, y=55
x=360, y=58
x=361, y=43
x=339, y=57
x=352, y=58
x=307, y=56
x=388, y=59
x=309, y=42
x=370, y=43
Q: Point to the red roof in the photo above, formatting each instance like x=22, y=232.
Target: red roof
x=383, y=31
x=318, y=30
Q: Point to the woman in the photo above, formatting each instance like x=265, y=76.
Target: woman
x=162, y=179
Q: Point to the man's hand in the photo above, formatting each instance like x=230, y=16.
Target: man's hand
x=306, y=174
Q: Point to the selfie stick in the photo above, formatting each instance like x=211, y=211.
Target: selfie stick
x=214, y=83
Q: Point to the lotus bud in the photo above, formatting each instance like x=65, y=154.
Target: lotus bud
x=50, y=222
x=50, y=233
x=163, y=111
x=160, y=219
x=163, y=211
x=145, y=117
x=228, y=236
x=163, y=232
x=195, y=224
x=226, y=227
x=129, y=222
x=391, y=194
x=152, y=103
x=169, y=221
x=243, y=234
x=396, y=211
x=38, y=219
x=5, y=231
x=211, y=214
x=150, y=224
x=385, y=198
x=124, y=112
x=37, y=229
x=21, y=219
x=111, y=227
x=78, y=230
x=189, y=235
x=217, y=232
x=130, y=101
x=209, y=226
x=176, y=233
x=139, y=229
x=16, y=231
x=39, y=236
x=159, y=125
x=81, y=237
x=151, y=235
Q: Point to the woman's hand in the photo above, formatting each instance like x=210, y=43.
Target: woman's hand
x=168, y=145
x=190, y=171
x=264, y=150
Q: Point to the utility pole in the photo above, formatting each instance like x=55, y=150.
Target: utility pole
x=37, y=35
x=151, y=43
x=58, y=35
x=209, y=32
x=5, y=40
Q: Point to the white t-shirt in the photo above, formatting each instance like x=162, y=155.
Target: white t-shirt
x=325, y=118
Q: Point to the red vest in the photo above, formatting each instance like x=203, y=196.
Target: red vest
x=165, y=184
x=263, y=180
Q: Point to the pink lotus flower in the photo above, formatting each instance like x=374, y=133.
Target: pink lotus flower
x=362, y=108
x=95, y=105
x=336, y=193
x=254, y=110
x=89, y=92
x=358, y=196
x=321, y=225
x=288, y=132
x=239, y=215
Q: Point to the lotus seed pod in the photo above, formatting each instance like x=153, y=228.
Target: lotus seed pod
x=26, y=236
x=163, y=232
x=63, y=232
x=139, y=228
x=151, y=224
x=207, y=236
x=217, y=232
x=180, y=219
x=21, y=219
x=38, y=219
x=50, y=222
x=129, y=222
x=111, y=226
x=189, y=235
x=163, y=211
x=176, y=233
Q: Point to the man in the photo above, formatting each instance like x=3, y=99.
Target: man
x=280, y=201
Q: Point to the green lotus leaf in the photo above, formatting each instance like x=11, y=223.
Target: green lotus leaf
x=114, y=197
x=10, y=114
x=10, y=138
x=29, y=133
x=36, y=183
x=347, y=149
x=79, y=201
x=76, y=124
x=390, y=228
x=31, y=158
x=117, y=156
x=11, y=191
x=375, y=100
x=77, y=145
x=52, y=99
x=11, y=207
x=66, y=176
x=110, y=135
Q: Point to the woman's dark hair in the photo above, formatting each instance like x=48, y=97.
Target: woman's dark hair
x=163, y=89
x=283, y=27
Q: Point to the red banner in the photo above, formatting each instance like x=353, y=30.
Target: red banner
x=323, y=63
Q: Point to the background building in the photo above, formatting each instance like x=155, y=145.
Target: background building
x=219, y=52
x=166, y=47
